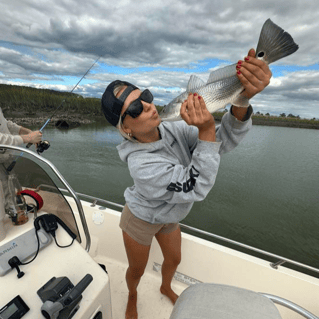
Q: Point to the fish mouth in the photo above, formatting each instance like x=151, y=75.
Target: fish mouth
x=163, y=115
x=170, y=117
x=165, y=111
x=170, y=112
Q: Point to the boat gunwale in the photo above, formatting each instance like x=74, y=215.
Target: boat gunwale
x=281, y=260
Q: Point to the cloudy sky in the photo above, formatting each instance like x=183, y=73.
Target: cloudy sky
x=157, y=44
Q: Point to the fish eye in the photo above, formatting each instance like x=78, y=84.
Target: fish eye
x=260, y=54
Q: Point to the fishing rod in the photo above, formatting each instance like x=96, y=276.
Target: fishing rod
x=44, y=145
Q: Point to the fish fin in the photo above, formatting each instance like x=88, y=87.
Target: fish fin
x=194, y=83
x=274, y=43
x=222, y=73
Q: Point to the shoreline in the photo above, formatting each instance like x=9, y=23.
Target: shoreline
x=75, y=120
x=292, y=124
x=39, y=120
x=31, y=107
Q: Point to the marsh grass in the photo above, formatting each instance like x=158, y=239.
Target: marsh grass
x=30, y=101
x=22, y=101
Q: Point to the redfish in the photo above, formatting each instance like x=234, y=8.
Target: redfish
x=223, y=86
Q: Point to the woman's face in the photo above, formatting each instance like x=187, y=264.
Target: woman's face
x=145, y=123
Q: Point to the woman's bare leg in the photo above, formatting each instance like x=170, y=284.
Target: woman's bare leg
x=137, y=256
x=171, y=249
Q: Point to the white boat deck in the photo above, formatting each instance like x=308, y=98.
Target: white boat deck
x=151, y=303
x=201, y=261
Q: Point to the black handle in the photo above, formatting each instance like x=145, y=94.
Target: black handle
x=77, y=290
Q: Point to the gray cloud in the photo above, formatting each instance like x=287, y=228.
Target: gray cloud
x=66, y=36
x=161, y=31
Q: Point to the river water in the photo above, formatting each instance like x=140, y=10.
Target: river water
x=266, y=193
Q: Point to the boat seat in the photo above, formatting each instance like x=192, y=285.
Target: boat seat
x=206, y=301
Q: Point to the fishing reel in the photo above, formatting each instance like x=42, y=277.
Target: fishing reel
x=42, y=146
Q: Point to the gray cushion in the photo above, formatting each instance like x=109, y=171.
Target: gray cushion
x=205, y=301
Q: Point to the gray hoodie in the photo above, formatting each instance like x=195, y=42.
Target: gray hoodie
x=172, y=173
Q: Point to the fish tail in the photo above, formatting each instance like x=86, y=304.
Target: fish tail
x=274, y=43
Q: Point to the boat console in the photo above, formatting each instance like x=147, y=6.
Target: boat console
x=45, y=271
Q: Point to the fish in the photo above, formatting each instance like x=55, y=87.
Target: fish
x=223, y=86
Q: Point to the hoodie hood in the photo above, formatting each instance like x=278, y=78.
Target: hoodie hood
x=127, y=148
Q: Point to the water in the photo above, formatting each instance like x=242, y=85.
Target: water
x=266, y=193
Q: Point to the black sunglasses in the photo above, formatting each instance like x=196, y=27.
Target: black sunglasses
x=136, y=107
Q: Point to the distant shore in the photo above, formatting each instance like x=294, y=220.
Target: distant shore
x=308, y=124
x=32, y=120
x=28, y=106
x=76, y=119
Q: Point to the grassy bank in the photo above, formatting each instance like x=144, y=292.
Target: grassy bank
x=268, y=120
x=30, y=106
x=31, y=101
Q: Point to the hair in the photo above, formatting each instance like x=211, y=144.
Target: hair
x=119, y=125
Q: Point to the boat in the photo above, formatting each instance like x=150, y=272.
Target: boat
x=86, y=278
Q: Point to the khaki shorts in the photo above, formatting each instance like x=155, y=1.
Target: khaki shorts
x=142, y=231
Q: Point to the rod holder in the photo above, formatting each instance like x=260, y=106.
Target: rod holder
x=278, y=263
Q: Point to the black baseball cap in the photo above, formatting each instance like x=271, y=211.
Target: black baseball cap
x=111, y=105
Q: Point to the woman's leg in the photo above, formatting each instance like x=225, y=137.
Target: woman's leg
x=171, y=249
x=137, y=256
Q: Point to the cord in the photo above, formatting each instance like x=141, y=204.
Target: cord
x=38, y=249
x=36, y=254
x=53, y=235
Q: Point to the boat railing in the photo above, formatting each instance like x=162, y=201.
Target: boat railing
x=280, y=260
x=290, y=305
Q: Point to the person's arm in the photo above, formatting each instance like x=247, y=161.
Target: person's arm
x=20, y=135
x=13, y=128
x=228, y=134
x=33, y=137
x=240, y=113
x=13, y=137
x=29, y=136
x=254, y=75
x=24, y=131
x=8, y=139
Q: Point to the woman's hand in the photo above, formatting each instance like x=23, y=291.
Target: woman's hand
x=194, y=112
x=254, y=75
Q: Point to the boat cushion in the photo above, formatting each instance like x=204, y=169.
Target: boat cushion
x=206, y=301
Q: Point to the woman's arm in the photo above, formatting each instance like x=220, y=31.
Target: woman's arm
x=254, y=75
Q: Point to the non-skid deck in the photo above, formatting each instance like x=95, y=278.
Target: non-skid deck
x=151, y=303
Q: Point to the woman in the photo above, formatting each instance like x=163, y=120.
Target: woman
x=172, y=164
